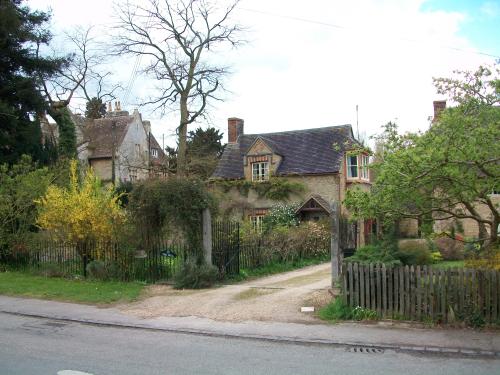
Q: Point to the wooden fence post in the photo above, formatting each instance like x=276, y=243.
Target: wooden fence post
x=207, y=235
x=335, y=242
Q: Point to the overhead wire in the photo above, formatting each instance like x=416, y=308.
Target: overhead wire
x=337, y=26
x=137, y=63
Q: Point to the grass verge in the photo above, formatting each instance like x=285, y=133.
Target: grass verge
x=273, y=268
x=81, y=291
x=338, y=310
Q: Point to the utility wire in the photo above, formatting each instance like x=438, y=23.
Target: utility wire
x=137, y=63
x=336, y=26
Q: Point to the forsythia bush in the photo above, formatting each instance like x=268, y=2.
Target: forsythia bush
x=82, y=212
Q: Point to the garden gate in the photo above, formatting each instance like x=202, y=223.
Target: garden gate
x=226, y=247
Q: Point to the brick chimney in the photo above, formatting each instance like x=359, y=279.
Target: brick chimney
x=439, y=106
x=234, y=129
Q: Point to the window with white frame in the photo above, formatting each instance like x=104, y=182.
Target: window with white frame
x=154, y=152
x=257, y=222
x=352, y=166
x=260, y=171
x=357, y=167
x=365, y=160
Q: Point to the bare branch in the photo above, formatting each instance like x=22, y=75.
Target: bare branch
x=177, y=38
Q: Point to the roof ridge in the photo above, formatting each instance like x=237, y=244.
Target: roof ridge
x=300, y=130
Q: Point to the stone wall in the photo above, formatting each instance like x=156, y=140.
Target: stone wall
x=102, y=168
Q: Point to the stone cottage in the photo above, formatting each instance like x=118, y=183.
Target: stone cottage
x=120, y=147
x=326, y=162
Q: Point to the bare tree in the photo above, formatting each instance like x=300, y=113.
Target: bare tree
x=176, y=37
x=81, y=76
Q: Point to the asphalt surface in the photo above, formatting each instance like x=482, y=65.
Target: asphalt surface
x=34, y=346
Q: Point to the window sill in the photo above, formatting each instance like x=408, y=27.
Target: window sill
x=358, y=180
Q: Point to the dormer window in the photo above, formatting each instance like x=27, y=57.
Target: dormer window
x=260, y=171
x=357, y=167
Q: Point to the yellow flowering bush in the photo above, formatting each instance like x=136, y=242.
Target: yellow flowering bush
x=82, y=212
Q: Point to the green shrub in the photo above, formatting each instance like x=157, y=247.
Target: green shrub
x=281, y=214
x=375, y=253
x=286, y=244
x=338, y=310
x=192, y=275
x=414, y=252
x=436, y=257
x=103, y=271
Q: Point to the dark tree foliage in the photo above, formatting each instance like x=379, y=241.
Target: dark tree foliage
x=205, y=142
x=95, y=108
x=22, y=31
x=204, y=148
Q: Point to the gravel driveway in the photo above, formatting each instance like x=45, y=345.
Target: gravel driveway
x=274, y=298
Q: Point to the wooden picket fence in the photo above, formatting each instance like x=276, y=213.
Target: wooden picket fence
x=423, y=293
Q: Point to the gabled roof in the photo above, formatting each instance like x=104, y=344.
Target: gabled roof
x=161, y=154
x=309, y=151
x=320, y=202
x=102, y=137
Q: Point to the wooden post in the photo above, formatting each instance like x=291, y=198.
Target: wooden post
x=335, y=241
x=207, y=235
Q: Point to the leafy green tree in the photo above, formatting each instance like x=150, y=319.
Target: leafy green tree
x=22, y=32
x=95, y=108
x=447, y=171
x=20, y=185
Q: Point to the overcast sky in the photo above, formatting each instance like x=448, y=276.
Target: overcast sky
x=309, y=63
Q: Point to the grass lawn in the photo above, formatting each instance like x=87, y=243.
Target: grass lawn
x=82, y=291
x=445, y=264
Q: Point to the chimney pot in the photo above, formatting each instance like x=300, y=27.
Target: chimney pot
x=234, y=129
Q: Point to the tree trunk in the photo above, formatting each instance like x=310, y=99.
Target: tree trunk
x=493, y=240
x=483, y=233
x=181, y=152
x=66, y=144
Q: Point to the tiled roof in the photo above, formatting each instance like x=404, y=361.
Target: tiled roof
x=310, y=151
x=102, y=136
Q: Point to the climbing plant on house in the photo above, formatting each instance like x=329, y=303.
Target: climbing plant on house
x=157, y=205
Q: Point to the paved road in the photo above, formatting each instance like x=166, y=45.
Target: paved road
x=30, y=346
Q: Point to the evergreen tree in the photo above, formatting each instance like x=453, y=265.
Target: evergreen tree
x=95, y=108
x=204, y=147
x=21, y=32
